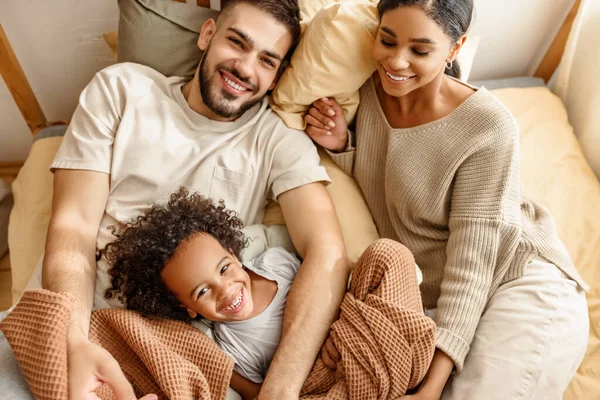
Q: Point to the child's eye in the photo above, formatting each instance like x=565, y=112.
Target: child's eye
x=202, y=292
x=224, y=268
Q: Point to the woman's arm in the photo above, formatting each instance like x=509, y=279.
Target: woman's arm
x=484, y=232
x=244, y=387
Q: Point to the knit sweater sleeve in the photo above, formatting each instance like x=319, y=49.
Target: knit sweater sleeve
x=345, y=159
x=484, y=222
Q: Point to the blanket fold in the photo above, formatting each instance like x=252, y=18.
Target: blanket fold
x=385, y=340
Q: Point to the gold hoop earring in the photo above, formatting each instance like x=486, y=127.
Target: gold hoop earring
x=449, y=64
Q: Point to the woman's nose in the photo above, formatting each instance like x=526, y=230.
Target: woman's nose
x=398, y=61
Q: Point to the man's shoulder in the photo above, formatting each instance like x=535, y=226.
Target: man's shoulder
x=273, y=125
x=131, y=76
x=129, y=69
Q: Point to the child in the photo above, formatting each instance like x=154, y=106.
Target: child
x=183, y=259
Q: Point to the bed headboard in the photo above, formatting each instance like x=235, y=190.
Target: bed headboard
x=26, y=101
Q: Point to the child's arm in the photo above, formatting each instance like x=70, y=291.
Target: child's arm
x=244, y=387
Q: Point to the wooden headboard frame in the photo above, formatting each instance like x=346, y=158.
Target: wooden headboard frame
x=21, y=91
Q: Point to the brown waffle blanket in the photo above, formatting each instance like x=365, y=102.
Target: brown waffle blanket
x=385, y=341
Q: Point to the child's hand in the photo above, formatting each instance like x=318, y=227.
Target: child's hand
x=326, y=124
x=330, y=354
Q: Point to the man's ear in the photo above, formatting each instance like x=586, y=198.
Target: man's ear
x=209, y=28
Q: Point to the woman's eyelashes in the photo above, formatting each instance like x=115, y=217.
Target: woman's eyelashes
x=387, y=44
x=415, y=51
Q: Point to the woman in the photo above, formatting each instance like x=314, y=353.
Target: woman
x=437, y=161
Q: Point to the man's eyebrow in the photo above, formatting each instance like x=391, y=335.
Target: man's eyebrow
x=200, y=284
x=243, y=35
x=250, y=42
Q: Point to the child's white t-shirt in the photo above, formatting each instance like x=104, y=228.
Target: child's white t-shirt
x=252, y=343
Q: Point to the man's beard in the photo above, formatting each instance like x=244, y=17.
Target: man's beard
x=223, y=106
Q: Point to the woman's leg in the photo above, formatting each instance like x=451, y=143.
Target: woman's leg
x=529, y=342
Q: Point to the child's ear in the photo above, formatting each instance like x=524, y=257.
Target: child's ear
x=191, y=313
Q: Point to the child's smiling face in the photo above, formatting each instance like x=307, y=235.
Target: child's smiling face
x=208, y=280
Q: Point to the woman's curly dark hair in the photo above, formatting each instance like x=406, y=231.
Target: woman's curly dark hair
x=145, y=245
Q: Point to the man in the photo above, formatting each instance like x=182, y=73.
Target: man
x=137, y=136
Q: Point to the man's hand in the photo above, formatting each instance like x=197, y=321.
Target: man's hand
x=90, y=366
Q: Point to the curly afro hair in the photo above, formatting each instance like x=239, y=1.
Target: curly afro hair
x=145, y=245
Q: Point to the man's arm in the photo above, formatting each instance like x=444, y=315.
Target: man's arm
x=317, y=291
x=70, y=266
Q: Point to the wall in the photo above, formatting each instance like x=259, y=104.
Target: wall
x=60, y=46
x=515, y=35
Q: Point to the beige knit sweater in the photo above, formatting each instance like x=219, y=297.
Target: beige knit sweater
x=450, y=191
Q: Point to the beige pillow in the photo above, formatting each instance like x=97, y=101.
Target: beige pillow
x=30, y=215
x=334, y=59
x=162, y=34
x=555, y=174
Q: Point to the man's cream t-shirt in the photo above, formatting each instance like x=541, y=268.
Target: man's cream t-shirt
x=134, y=124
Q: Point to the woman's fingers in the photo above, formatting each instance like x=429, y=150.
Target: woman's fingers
x=317, y=133
x=311, y=120
x=326, y=107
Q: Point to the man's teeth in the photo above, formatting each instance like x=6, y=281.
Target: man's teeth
x=398, y=78
x=234, y=85
x=238, y=300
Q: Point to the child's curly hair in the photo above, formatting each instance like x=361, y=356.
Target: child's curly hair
x=145, y=245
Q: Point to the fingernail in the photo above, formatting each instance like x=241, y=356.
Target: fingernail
x=330, y=112
x=331, y=124
x=328, y=133
x=324, y=98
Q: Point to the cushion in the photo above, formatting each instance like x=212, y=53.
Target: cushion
x=6, y=203
x=162, y=34
x=577, y=82
x=555, y=174
x=32, y=190
x=334, y=59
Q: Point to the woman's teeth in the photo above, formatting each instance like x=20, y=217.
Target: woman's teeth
x=398, y=78
x=237, y=302
x=234, y=85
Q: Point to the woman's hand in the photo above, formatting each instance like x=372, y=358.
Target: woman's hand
x=326, y=124
x=330, y=354
x=436, y=378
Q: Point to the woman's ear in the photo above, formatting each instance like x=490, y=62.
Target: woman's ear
x=456, y=48
x=206, y=34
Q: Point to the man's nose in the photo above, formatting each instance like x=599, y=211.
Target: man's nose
x=245, y=66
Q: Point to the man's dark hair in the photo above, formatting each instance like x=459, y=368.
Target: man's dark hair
x=286, y=12
x=144, y=245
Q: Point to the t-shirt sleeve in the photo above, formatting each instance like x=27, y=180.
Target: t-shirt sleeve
x=89, y=139
x=277, y=263
x=295, y=162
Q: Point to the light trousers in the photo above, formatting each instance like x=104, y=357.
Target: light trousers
x=530, y=341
